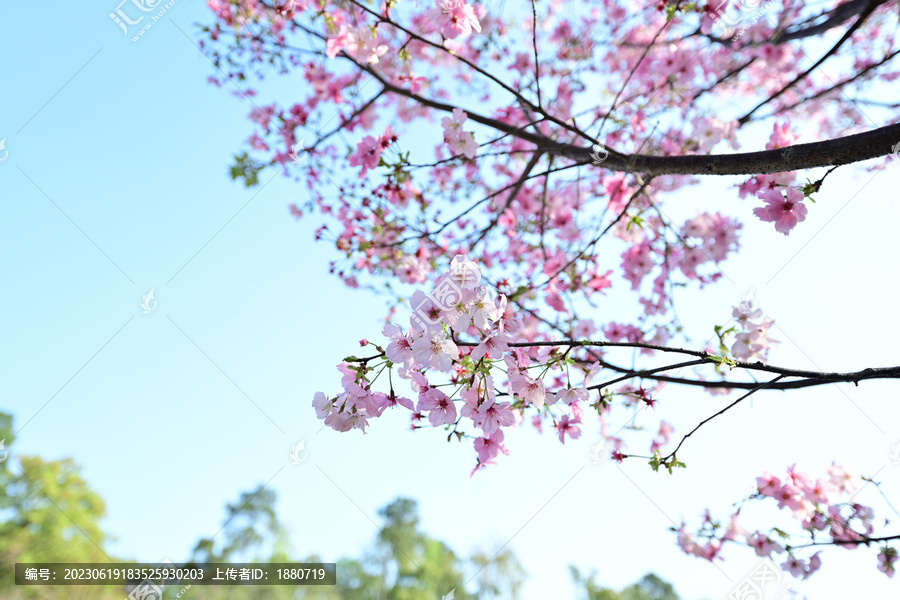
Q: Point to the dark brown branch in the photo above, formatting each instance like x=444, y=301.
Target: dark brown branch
x=647, y=373
x=837, y=151
x=865, y=541
x=831, y=52
x=818, y=377
x=708, y=419
x=512, y=195
x=839, y=84
x=837, y=17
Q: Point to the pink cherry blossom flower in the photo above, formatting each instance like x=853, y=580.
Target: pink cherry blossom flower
x=464, y=144
x=565, y=426
x=367, y=155
x=435, y=351
x=323, y=405
x=459, y=141
x=362, y=43
x=764, y=545
x=815, y=563
x=493, y=346
x=443, y=410
x=572, y=395
x=393, y=401
x=781, y=137
x=453, y=125
x=336, y=43
x=745, y=346
x=357, y=421
x=743, y=315
x=399, y=351
x=846, y=481
x=800, y=568
x=376, y=403
x=491, y=416
x=796, y=566
x=418, y=382
x=530, y=390
x=339, y=421
x=769, y=485
x=427, y=315
x=457, y=19
x=734, y=529
x=708, y=132
x=663, y=434
x=522, y=63
x=784, y=211
x=482, y=312
x=490, y=447
x=789, y=496
x=819, y=491
x=886, y=559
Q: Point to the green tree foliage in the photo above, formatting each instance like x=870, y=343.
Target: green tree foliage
x=414, y=566
x=250, y=533
x=650, y=587
x=407, y=564
x=48, y=513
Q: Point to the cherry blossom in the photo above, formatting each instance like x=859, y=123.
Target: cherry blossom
x=459, y=141
x=456, y=19
x=505, y=259
x=784, y=209
x=435, y=351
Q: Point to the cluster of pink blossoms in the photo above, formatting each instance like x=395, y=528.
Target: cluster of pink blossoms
x=537, y=233
x=460, y=306
x=369, y=150
x=459, y=141
x=709, y=131
x=784, y=204
x=819, y=507
x=752, y=343
x=454, y=19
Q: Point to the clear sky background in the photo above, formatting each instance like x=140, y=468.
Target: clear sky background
x=116, y=182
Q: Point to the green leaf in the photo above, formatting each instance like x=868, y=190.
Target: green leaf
x=246, y=168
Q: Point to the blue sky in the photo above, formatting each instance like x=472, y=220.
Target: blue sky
x=116, y=181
